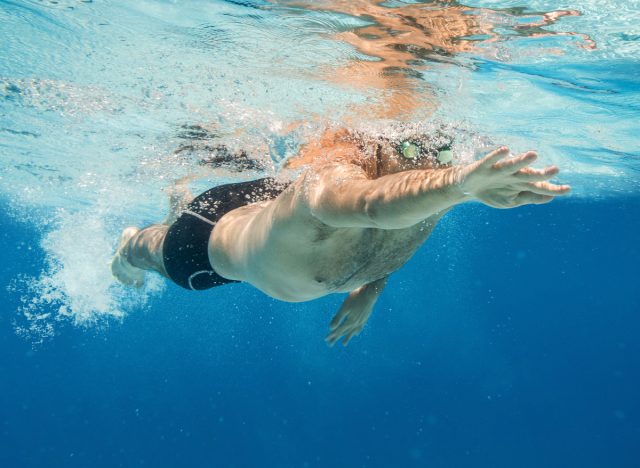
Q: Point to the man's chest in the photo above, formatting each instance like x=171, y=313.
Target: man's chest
x=346, y=261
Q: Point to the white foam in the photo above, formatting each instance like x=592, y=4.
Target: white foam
x=76, y=283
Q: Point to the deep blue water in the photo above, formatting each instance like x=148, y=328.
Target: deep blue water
x=511, y=339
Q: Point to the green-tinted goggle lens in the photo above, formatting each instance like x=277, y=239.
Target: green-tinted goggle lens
x=409, y=150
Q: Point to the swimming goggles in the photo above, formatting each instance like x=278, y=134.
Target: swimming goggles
x=412, y=150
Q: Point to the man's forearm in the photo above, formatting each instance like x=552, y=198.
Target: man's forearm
x=342, y=196
x=403, y=199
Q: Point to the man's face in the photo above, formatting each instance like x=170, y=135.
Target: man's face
x=405, y=156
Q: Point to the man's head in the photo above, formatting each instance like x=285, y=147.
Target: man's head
x=419, y=152
x=378, y=155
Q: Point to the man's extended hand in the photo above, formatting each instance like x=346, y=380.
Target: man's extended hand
x=501, y=181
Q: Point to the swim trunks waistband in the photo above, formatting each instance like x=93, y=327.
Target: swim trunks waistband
x=186, y=246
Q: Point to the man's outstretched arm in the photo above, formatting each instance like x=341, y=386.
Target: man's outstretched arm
x=342, y=195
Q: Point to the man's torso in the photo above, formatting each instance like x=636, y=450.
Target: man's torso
x=283, y=250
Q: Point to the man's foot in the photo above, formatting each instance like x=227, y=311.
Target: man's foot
x=124, y=271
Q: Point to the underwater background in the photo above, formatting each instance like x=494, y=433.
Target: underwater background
x=510, y=339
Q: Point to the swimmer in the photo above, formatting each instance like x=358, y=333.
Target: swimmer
x=355, y=215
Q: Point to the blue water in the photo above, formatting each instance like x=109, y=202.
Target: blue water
x=516, y=345
x=510, y=339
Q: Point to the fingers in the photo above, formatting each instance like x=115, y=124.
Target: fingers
x=507, y=182
x=338, y=318
x=351, y=334
x=346, y=331
x=546, y=188
x=513, y=165
x=530, y=198
x=528, y=174
x=354, y=312
x=494, y=156
x=332, y=338
x=539, y=193
x=350, y=327
x=339, y=326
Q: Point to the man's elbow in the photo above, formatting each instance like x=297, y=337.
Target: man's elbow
x=381, y=213
x=336, y=212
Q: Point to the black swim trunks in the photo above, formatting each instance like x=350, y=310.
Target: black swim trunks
x=185, y=250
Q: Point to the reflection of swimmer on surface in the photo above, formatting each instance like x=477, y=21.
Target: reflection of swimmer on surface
x=358, y=212
x=408, y=38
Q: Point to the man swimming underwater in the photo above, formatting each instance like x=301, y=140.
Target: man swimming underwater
x=357, y=213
